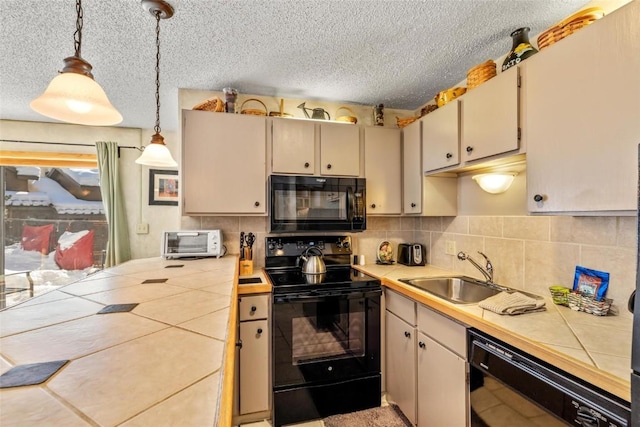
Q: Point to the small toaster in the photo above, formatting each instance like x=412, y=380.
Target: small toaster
x=412, y=254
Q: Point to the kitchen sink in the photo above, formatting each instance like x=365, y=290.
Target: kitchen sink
x=458, y=290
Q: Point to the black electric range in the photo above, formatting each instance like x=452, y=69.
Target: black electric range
x=325, y=331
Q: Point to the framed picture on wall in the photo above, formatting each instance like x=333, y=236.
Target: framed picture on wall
x=163, y=187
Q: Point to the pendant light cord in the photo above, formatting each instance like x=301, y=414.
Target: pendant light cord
x=157, y=127
x=77, y=36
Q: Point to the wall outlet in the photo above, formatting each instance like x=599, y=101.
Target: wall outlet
x=142, y=228
x=450, y=248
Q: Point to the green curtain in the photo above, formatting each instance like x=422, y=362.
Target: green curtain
x=118, y=245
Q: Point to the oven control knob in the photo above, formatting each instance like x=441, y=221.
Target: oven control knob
x=346, y=244
x=330, y=368
x=272, y=246
x=339, y=244
x=279, y=245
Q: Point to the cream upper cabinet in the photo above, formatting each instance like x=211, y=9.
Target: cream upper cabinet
x=223, y=168
x=339, y=149
x=441, y=137
x=583, y=118
x=412, y=169
x=293, y=146
x=382, y=170
x=490, y=117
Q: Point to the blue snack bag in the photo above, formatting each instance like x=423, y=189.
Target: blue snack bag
x=591, y=283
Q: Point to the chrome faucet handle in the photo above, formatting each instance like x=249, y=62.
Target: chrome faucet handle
x=462, y=256
x=488, y=266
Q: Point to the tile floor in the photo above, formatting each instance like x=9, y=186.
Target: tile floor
x=316, y=423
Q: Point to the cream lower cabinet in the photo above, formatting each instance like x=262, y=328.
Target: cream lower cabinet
x=382, y=165
x=253, y=361
x=442, y=371
x=426, y=369
x=223, y=168
x=583, y=119
x=401, y=371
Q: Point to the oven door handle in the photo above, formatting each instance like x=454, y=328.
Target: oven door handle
x=284, y=299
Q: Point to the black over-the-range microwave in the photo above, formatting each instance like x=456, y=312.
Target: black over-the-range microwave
x=317, y=203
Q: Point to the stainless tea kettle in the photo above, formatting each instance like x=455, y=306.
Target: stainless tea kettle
x=313, y=264
x=317, y=113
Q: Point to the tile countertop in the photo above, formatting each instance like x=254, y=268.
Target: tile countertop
x=162, y=363
x=594, y=348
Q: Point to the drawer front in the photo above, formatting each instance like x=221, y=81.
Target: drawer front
x=254, y=307
x=447, y=332
x=401, y=306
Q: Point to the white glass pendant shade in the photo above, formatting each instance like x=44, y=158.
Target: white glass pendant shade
x=75, y=98
x=157, y=154
x=495, y=183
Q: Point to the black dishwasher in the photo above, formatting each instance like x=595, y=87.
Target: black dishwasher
x=549, y=393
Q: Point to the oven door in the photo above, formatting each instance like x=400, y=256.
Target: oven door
x=322, y=339
x=304, y=203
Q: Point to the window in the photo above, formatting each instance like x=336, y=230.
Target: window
x=55, y=230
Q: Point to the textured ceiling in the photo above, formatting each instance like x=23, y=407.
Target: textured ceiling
x=396, y=52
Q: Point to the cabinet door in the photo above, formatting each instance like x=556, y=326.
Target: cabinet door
x=339, y=149
x=490, y=117
x=441, y=137
x=401, y=366
x=292, y=146
x=583, y=118
x=254, y=367
x=382, y=170
x=411, y=169
x=442, y=385
x=223, y=163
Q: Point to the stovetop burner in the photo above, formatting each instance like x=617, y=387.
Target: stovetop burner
x=282, y=264
x=338, y=278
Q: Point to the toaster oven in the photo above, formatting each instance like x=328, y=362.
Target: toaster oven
x=192, y=244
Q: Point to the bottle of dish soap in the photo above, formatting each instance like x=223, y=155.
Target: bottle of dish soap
x=521, y=49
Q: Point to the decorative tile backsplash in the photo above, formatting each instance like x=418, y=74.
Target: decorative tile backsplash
x=528, y=252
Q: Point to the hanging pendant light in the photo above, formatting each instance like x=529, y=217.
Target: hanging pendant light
x=73, y=96
x=157, y=153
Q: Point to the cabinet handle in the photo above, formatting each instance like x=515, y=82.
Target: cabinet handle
x=256, y=204
x=329, y=166
x=259, y=331
x=449, y=155
x=538, y=198
x=413, y=205
x=407, y=334
x=422, y=345
x=373, y=205
x=239, y=343
x=469, y=149
x=306, y=165
x=253, y=308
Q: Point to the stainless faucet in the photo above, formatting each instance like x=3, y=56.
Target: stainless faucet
x=486, y=271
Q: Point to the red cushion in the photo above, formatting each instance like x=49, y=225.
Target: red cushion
x=77, y=255
x=36, y=238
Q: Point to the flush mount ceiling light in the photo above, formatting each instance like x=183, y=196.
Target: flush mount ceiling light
x=157, y=153
x=495, y=183
x=73, y=96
